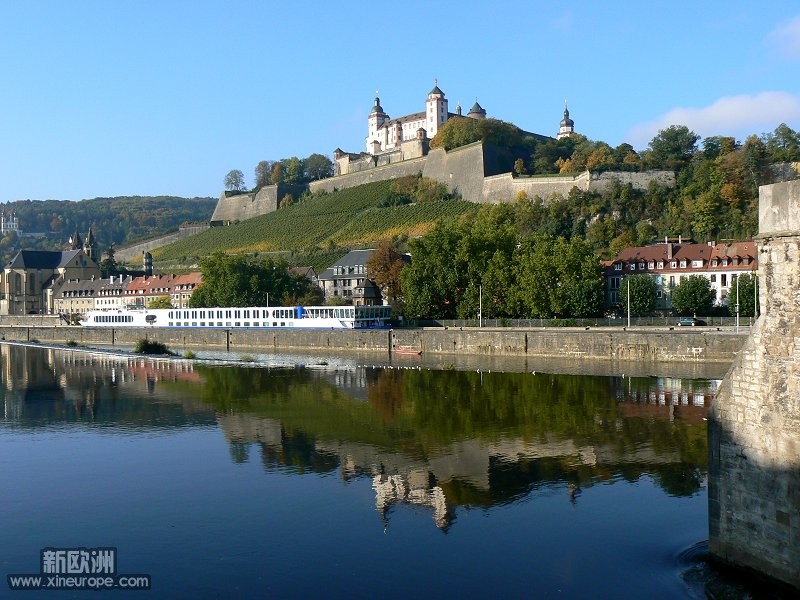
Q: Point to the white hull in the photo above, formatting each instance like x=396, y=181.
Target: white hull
x=254, y=317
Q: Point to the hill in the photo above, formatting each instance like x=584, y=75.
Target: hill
x=120, y=220
x=355, y=216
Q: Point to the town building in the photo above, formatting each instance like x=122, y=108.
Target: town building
x=27, y=281
x=668, y=263
x=183, y=287
x=347, y=279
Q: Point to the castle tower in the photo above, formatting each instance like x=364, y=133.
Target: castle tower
x=376, y=118
x=90, y=246
x=435, y=110
x=567, y=127
x=477, y=111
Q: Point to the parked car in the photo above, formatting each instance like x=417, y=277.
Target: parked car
x=690, y=322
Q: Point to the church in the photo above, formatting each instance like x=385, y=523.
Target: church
x=28, y=280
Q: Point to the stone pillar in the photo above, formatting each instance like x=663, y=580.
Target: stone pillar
x=754, y=425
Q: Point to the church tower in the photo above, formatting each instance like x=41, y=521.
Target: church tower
x=567, y=127
x=435, y=110
x=75, y=242
x=375, y=120
x=90, y=246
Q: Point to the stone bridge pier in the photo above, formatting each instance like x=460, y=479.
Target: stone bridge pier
x=754, y=425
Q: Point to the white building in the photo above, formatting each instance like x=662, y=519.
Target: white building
x=8, y=223
x=384, y=133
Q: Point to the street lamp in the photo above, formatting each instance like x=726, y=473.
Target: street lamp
x=737, y=304
x=480, y=305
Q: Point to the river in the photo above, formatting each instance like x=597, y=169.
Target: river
x=339, y=479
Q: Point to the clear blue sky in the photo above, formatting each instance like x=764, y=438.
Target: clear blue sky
x=107, y=98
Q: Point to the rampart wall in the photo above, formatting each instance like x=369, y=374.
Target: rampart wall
x=239, y=207
x=754, y=425
x=133, y=253
x=382, y=173
x=654, y=347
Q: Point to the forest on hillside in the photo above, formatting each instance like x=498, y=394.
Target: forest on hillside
x=118, y=221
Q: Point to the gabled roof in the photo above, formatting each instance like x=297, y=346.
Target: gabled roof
x=42, y=259
x=351, y=259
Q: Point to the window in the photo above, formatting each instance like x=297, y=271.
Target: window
x=633, y=266
x=641, y=266
x=615, y=283
x=724, y=262
x=674, y=264
x=650, y=264
x=659, y=294
x=683, y=264
x=713, y=278
x=672, y=281
x=618, y=267
x=714, y=263
x=724, y=280
x=696, y=264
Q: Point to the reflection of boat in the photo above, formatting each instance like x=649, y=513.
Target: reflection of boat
x=407, y=350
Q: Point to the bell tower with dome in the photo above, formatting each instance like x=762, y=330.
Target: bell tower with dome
x=567, y=127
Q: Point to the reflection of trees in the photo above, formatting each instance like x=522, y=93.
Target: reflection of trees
x=534, y=429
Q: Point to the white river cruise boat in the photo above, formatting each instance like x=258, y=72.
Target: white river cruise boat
x=261, y=317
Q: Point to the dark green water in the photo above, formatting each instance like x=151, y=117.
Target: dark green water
x=345, y=481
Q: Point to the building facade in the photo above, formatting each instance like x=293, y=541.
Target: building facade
x=28, y=280
x=347, y=279
x=669, y=263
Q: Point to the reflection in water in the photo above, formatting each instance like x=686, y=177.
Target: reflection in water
x=443, y=439
x=432, y=439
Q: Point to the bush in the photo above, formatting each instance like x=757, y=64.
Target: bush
x=190, y=355
x=247, y=358
x=145, y=346
x=72, y=343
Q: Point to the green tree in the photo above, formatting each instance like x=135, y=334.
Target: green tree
x=519, y=167
x=108, y=266
x=292, y=170
x=672, y=147
x=160, y=302
x=236, y=281
x=745, y=294
x=318, y=166
x=642, y=294
x=783, y=144
x=234, y=181
x=693, y=295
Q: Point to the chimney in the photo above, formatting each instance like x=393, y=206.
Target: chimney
x=680, y=239
x=669, y=250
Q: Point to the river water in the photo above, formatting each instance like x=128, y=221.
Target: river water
x=340, y=479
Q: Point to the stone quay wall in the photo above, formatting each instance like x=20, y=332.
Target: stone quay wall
x=754, y=425
x=637, y=345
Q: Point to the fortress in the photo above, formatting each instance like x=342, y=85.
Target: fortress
x=398, y=147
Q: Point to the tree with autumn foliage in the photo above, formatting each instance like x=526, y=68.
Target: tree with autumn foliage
x=384, y=267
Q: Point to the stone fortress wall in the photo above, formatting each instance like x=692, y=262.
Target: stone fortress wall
x=473, y=172
x=754, y=426
x=233, y=207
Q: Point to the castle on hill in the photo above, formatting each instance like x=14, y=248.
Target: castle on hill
x=403, y=138
x=478, y=172
x=384, y=133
